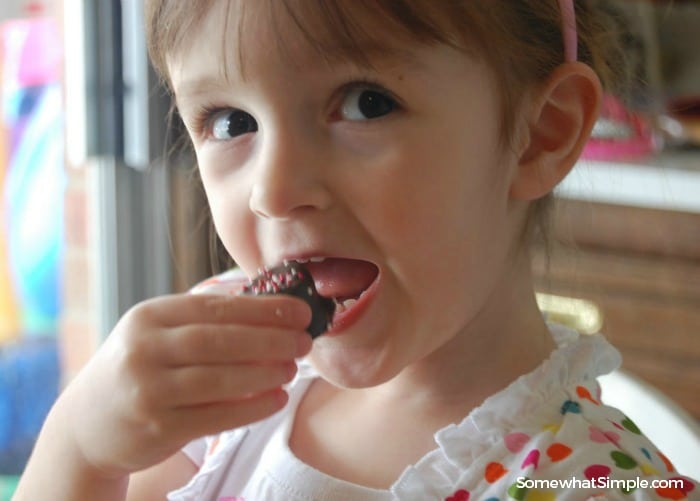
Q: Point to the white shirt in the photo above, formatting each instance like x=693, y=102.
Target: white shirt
x=547, y=425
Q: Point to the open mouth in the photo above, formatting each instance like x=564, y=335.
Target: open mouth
x=338, y=290
x=347, y=281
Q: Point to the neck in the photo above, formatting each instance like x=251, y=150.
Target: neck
x=507, y=339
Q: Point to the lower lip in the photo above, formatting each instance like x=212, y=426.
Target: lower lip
x=343, y=321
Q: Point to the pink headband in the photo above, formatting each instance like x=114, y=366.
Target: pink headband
x=568, y=21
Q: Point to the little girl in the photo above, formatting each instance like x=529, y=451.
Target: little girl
x=403, y=150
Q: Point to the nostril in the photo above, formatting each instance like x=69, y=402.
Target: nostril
x=257, y=204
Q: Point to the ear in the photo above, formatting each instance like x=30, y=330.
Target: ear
x=560, y=116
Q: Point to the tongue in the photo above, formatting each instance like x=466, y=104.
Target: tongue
x=342, y=278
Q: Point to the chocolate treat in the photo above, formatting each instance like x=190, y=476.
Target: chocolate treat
x=294, y=279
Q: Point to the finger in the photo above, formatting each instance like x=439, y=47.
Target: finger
x=209, y=419
x=192, y=386
x=224, y=344
x=277, y=311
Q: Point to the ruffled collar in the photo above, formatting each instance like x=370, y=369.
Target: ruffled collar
x=577, y=358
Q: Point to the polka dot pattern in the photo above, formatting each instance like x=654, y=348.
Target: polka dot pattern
x=584, y=447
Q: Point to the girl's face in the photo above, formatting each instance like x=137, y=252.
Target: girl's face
x=393, y=174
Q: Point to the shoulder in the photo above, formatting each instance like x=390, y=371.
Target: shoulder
x=596, y=450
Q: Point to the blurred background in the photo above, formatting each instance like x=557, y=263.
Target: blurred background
x=92, y=220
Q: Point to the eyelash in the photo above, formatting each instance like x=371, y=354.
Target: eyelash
x=367, y=84
x=201, y=121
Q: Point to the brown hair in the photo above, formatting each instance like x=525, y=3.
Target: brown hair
x=520, y=40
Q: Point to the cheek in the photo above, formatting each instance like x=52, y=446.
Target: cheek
x=233, y=222
x=450, y=238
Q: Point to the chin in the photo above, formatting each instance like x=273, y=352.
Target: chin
x=345, y=369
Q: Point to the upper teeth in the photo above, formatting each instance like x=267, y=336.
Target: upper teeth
x=312, y=259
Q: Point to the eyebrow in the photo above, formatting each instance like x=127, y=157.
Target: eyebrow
x=370, y=57
x=204, y=85
x=366, y=54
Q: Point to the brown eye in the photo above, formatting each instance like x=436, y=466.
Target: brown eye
x=365, y=104
x=232, y=123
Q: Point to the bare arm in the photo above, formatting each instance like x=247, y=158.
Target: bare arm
x=153, y=483
x=174, y=368
x=58, y=467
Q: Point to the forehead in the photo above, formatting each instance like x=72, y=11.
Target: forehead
x=304, y=32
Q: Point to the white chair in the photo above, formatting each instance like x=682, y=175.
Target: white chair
x=670, y=427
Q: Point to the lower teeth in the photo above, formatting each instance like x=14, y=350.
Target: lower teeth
x=341, y=306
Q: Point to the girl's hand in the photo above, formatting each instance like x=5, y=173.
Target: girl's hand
x=180, y=367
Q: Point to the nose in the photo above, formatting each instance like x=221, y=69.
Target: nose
x=288, y=177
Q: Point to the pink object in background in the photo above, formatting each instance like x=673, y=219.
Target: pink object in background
x=38, y=58
x=620, y=134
